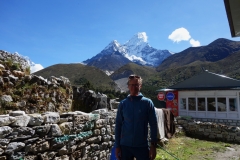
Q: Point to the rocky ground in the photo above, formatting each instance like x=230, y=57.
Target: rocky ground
x=231, y=153
x=122, y=84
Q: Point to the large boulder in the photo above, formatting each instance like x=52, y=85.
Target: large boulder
x=87, y=100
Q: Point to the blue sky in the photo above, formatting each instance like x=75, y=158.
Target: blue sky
x=60, y=31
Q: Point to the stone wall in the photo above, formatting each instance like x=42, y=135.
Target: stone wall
x=72, y=135
x=228, y=122
x=215, y=130
x=20, y=90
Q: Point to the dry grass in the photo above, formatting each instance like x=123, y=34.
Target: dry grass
x=186, y=148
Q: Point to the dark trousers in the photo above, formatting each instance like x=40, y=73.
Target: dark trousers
x=140, y=153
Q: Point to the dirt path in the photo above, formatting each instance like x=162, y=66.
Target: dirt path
x=231, y=153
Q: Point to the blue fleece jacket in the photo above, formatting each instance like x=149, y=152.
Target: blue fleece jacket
x=133, y=116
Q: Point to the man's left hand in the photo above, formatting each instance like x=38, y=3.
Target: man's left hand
x=152, y=152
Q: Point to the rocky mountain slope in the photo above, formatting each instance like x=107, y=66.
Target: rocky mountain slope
x=79, y=75
x=213, y=52
x=109, y=62
x=133, y=68
x=135, y=50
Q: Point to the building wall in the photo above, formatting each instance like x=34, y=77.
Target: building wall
x=216, y=104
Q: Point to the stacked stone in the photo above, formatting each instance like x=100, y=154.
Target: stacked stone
x=228, y=122
x=209, y=130
x=88, y=100
x=42, y=96
x=21, y=90
x=69, y=136
x=15, y=58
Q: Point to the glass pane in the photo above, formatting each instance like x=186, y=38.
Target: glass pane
x=233, y=104
x=201, y=104
x=221, y=104
x=192, y=104
x=211, y=104
x=183, y=103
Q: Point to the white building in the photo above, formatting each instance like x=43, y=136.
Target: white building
x=207, y=95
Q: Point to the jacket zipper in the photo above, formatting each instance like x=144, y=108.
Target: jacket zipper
x=133, y=122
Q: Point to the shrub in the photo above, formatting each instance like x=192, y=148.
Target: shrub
x=15, y=66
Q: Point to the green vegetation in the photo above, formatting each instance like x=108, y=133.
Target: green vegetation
x=79, y=75
x=80, y=81
x=186, y=148
x=15, y=66
x=27, y=70
x=144, y=71
x=11, y=65
x=2, y=107
x=8, y=62
x=113, y=94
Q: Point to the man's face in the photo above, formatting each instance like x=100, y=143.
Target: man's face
x=134, y=86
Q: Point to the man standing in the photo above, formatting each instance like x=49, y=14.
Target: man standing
x=131, y=130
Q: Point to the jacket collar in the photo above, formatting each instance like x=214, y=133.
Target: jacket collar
x=139, y=96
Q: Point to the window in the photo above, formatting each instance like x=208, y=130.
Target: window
x=232, y=104
x=183, y=105
x=211, y=106
x=192, y=104
x=221, y=104
x=201, y=104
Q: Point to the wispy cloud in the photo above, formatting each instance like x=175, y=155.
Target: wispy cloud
x=182, y=34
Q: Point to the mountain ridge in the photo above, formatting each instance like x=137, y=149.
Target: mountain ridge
x=79, y=74
x=215, y=51
x=136, y=50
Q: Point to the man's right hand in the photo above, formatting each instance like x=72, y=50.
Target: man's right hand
x=118, y=153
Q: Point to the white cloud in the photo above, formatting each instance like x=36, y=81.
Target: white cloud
x=194, y=43
x=180, y=34
x=143, y=36
x=36, y=67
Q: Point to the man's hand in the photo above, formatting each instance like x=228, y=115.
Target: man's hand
x=152, y=152
x=118, y=153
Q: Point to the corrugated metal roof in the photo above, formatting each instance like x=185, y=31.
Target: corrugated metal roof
x=207, y=80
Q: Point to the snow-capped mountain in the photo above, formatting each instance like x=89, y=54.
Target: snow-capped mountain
x=135, y=50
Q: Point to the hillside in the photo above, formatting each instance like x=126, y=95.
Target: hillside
x=228, y=66
x=79, y=74
x=215, y=51
x=133, y=68
x=121, y=75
